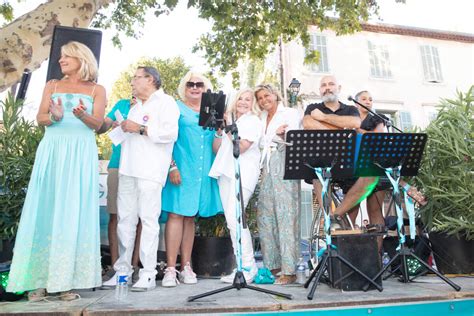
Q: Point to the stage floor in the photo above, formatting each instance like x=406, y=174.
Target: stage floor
x=161, y=300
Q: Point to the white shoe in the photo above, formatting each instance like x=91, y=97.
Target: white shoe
x=112, y=282
x=146, y=282
x=170, y=279
x=187, y=276
x=248, y=275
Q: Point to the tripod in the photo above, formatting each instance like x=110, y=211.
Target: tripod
x=331, y=253
x=395, y=155
x=239, y=279
x=327, y=153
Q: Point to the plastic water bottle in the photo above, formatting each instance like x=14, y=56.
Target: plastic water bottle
x=385, y=261
x=300, y=272
x=121, y=288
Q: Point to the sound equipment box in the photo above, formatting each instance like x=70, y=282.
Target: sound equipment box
x=362, y=252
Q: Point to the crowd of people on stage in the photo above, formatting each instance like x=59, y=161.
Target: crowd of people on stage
x=168, y=168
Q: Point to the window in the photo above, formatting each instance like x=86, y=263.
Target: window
x=318, y=43
x=306, y=213
x=431, y=65
x=405, y=121
x=379, y=61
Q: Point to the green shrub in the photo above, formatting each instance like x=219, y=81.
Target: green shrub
x=447, y=170
x=19, y=139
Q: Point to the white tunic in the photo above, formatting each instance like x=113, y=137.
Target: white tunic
x=250, y=128
x=283, y=115
x=149, y=156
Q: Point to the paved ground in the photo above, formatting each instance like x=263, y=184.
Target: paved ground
x=173, y=300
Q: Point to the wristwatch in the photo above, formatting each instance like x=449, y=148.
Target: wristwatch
x=142, y=129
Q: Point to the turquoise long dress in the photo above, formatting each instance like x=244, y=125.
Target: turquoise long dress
x=57, y=245
x=198, y=194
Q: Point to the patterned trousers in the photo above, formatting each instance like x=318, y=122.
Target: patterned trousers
x=278, y=216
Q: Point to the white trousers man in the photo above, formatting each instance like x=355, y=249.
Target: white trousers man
x=138, y=199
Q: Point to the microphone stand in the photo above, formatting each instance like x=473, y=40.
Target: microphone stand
x=239, y=279
x=387, y=122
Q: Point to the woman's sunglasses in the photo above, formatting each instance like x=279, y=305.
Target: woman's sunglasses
x=191, y=84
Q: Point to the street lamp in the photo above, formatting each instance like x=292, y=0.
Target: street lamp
x=294, y=89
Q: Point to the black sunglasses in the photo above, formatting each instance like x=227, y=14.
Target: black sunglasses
x=191, y=84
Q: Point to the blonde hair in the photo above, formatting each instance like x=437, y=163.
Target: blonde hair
x=270, y=89
x=232, y=108
x=89, y=68
x=186, y=78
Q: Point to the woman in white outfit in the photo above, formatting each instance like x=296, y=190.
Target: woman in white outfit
x=245, y=111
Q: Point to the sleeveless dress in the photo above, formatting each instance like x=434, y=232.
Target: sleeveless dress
x=57, y=245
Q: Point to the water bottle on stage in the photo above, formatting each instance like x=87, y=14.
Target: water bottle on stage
x=121, y=289
x=300, y=272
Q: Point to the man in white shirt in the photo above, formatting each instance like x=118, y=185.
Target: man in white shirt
x=152, y=129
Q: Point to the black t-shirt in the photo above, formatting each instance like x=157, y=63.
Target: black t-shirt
x=344, y=109
x=371, y=122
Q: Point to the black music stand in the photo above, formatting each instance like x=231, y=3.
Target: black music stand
x=395, y=155
x=327, y=154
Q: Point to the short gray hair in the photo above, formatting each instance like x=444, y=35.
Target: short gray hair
x=153, y=73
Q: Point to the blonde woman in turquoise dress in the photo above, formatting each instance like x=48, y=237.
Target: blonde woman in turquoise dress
x=57, y=246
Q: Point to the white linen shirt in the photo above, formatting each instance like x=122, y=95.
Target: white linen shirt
x=283, y=115
x=149, y=156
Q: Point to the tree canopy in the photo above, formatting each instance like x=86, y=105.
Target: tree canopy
x=241, y=29
x=171, y=71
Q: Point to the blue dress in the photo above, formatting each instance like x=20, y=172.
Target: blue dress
x=57, y=245
x=198, y=194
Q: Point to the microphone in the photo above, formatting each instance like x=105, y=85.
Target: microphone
x=350, y=98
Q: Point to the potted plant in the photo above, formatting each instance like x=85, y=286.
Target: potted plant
x=447, y=178
x=19, y=139
x=213, y=255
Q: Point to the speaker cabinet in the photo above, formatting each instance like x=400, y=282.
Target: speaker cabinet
x=63, y=35
x=362, y=252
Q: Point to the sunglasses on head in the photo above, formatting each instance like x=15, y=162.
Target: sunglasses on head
x=191, y=84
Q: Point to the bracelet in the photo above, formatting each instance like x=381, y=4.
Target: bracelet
x=51, y=118
x=217, y=135
x=173, y=168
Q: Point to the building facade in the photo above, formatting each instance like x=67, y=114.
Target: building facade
x=407, y=70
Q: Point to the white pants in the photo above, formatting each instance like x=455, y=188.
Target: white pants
x=227, y=193
x=138, y=198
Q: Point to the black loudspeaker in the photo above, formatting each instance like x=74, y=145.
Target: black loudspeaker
x=63, y=35
x=361, y=251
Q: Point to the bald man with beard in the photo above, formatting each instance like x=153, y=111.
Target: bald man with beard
x=333, y=114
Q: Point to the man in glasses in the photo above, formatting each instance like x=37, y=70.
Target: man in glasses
x=151, y=130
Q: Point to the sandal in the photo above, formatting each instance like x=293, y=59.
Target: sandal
x=286, y=279
x=37, y=295
x=68, y=296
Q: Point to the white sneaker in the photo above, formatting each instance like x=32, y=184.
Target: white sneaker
x=146, y=282
x=187, y=276
x=170, y=279
x=248, y=275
